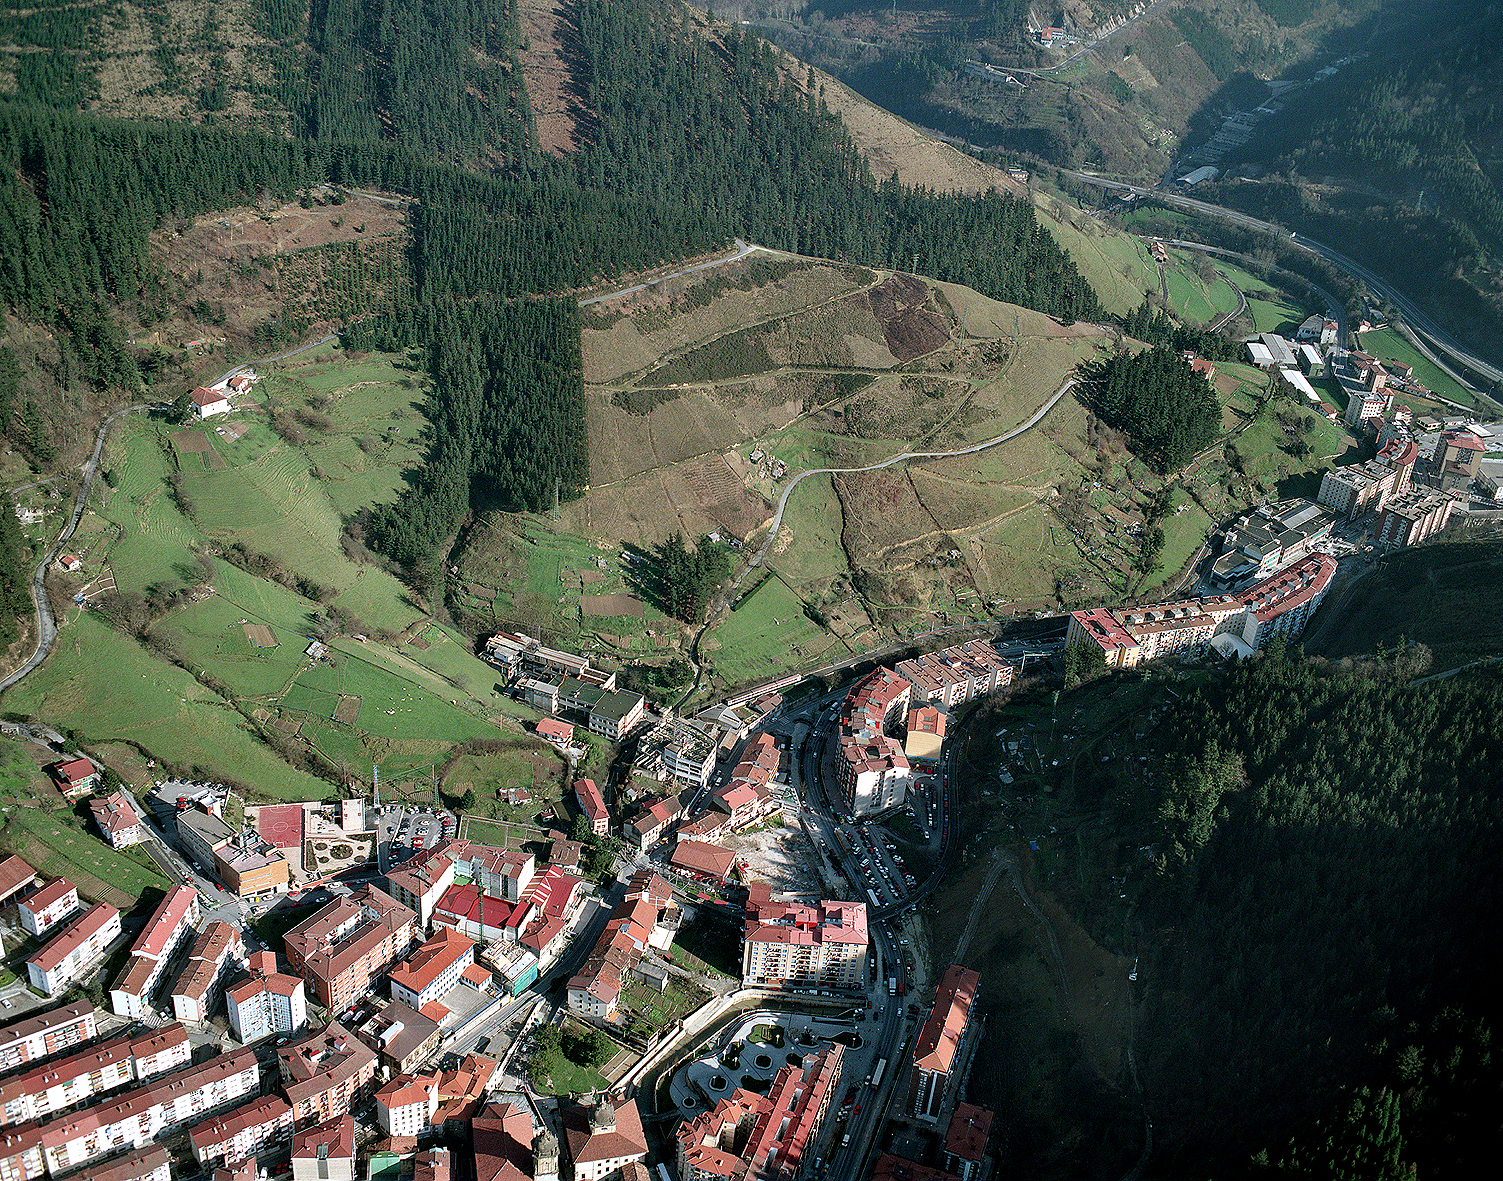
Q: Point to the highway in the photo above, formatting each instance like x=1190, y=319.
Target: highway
x=1413, y=315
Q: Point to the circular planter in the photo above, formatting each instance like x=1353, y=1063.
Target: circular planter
x=718, y=1083
x=762, y=1061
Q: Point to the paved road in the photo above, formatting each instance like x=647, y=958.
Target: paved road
x=46, y=624
x=1234, y=313
x=742, y=250
x=777, y=520
x=1414, y=317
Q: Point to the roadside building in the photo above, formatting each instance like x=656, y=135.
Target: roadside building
x=652, y=823
x=405, y=1106
x=939, y=1050
x=403, y=1037
x=966, y=1141
x=207, y=402
x=704, y=858
x=1284, y=602
x=799, y=945
x=144, y=1164
x=64, y=959
x=557, y=734
x=347, y=945
x=1414, y=517
x=213, y=954
x=75, y=777
x=957, y=674
x=925, y=737
x=752, y=1137
x=873, y=771
x=433, y=968
x=592, y=806
x=646, y=919
x=61, y=1084
x=268, y=1002
x=15, y=876
x=117, y=820
x=615, y=713
x=48, y=906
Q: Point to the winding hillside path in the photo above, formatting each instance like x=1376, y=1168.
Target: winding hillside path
x=46, y=622
x=777, y=520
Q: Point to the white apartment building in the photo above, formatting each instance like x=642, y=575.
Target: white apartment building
x=405, y=1106
x=62, y=960
x=57, y=1085
x=45, y=1034
x=264, y=1005
x=48, y=906
x=213, y=952
x=142, y=1116
x=434, y=968
x=793, y=944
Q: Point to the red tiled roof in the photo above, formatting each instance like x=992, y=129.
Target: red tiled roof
x=703, y=857
x=14, y=873
x=940, y=1037
x=969, y=1128
x=74, y=770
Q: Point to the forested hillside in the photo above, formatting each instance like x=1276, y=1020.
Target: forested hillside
x=694, y=139
x=1322, y=919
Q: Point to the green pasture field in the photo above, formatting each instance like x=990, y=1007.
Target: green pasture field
x=1387, y=344
x=154, y=536
x=1252, y=285
x=145, y=700
x=55, y=843
x=759, y=638
x=1185, y=531
x=214, y=640
x=500, y=833
x=1270, y=314
x=813, y=517
x=1117, y=266
x=529, y=765
x=1190, y=297
x=390, y=707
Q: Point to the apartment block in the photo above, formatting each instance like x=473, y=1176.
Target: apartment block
x=63, y=959
x=1413, y=517
x=21, y=1156
x=966, y=1140
x=956, y=674
x=646, y=918
x=145, y=1164
x=1283, y=603
x=145, y=1114
x=752, y=1137
x=15, y=876
x=325, y=1152
x=433, y=969
x=248, y=865
x=938, y=1052
x=421, y=880
x=48, y=906
x=58, y=1085
x=347, y=945
x=677, y=749
x=795, y=944
x=212, y=955
x=874, y=772
x=402, y=1037
x=165, y=930
x=651, y=824
x=44, y=1034
x=245, y=1132
x=267, y=1003
x=323, y=1073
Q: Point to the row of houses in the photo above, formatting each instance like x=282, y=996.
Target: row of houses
x=1240, y=624
x=646, y=919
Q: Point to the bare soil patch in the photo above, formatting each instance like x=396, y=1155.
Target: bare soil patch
x=189, y=442
x=348, y=710
x=910, y=325
x=611, y=605
x=260, y=635
x=782, y=857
